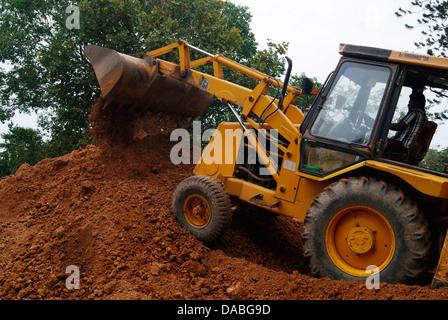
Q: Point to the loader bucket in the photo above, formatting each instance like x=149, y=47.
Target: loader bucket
x=133, y=85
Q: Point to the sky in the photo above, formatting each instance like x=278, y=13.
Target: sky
x=314, y=30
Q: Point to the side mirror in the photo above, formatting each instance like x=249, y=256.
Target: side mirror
x=307, y=86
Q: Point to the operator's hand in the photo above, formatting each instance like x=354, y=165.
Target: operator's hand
x=397, y=126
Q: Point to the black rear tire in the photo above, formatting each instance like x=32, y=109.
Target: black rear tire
x=340, y=254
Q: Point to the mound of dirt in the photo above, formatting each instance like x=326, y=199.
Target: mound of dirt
x=119, y=125
x=107, y=211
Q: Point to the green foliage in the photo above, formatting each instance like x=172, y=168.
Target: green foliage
x=45, y=70
x=432, y=17
x=21, y=145
x=304, y=101
x=435, y=160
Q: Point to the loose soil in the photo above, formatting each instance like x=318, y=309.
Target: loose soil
x=106, y=210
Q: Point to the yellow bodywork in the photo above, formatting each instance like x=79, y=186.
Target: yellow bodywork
x=401, y=57
x=440, y=278
x=295, y=190
x=252, y=101
x=219, y=161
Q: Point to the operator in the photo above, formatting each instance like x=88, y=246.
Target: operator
x=409, y=126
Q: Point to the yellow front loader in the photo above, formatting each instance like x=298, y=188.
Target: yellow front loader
x=363, y=209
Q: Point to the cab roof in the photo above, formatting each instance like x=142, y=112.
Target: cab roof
x=378, y=54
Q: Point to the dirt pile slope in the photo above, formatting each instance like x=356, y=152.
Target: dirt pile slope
x=107, y=211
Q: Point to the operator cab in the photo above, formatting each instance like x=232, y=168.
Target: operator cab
x=349, y=122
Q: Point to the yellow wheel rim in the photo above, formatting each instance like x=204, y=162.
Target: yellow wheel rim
x=358, y=237
x=197, y=211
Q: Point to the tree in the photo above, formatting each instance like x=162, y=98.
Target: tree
x=47, y=71
x=433, y=16
x=435, y=159
x=304, y=101
x=21, y=145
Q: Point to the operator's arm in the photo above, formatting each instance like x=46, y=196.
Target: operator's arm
x=398, y=126
x=403, y=122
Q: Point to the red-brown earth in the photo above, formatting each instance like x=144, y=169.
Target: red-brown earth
x=108, y=211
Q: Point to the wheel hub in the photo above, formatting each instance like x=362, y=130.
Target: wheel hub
x=197, y=211
x=358, y=237
x=361, y=240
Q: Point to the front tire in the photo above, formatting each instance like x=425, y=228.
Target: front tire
x=361, y=222
x=202, y=206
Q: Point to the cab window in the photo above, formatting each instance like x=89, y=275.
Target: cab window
x=352, y=104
